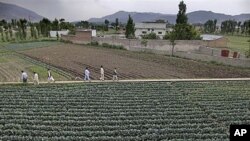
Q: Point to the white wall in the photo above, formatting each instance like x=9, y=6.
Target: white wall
x=93, y=33
x=53, y=33
x=138, y=32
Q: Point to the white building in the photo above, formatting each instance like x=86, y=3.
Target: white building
x=148, y=27
x=53, y=33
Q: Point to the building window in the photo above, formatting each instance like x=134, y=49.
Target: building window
x=148, y=29
x=152, y=29
x=159, y=32
x=144, y=32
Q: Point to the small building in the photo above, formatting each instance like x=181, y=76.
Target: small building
x=144, y=28
x=82, y=36
x=215, y=41
x=60, y=33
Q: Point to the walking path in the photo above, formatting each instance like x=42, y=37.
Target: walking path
x=140, y=80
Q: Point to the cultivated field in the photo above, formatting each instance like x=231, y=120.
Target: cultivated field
x=131, y=65
x=11, y=64
x=123, y=111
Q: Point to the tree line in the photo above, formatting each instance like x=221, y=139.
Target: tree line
x=227, y=27
x=16, y=30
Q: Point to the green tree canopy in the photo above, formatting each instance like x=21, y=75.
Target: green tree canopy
x=181, y=16
x=182, y=30
x=130, y=28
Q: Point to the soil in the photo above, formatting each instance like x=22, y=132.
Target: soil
x=130, y=65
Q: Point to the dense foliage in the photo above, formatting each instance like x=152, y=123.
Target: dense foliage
x=123, y=111
x=130, y=28
x=182, y=29
x=210, y=26
x=151, y=35
x=20, y=30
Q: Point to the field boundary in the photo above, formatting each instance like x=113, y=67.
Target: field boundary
x=138, y=80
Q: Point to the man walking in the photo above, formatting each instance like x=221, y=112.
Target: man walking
x=86, y=74
x=115, y=77
x=102, y=74
x=36, y=79
x=50, y=77
x=24, y=77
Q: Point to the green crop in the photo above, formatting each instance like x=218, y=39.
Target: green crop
x=123, y=111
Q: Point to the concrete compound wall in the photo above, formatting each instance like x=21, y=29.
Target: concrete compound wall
x=161, y=45
x=245, y=63
x=190, y=49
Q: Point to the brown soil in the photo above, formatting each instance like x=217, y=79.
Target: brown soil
x=130, y=65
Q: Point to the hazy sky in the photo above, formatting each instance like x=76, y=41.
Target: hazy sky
x=73, y=10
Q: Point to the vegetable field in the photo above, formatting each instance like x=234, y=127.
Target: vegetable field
x=123, y=111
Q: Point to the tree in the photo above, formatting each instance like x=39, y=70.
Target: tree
x=23, y=26
x=172, y=38
x=238, y=27
x=55, y=25
x=106, y=24
x=182, y=30
x=83, y=24
x=116, y=24
x=1, y=31
x=10, y=31
x=45, y=26
x=181, y=16
x=130, y=28
x=228, y=26
x=210, y=26
x=57, y=35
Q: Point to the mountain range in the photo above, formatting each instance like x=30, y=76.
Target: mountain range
x=11, y=11
x=193, y=17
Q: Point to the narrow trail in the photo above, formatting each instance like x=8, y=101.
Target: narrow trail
x=138, y=80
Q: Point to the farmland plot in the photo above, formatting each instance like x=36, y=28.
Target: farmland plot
x=123, y=111
x=130, y=65
x=11, y=63
x=11, y=66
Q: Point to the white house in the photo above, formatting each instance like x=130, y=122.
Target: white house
x=148, y=27
x=53, y=33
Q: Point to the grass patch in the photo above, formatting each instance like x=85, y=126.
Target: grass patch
x=238, y=43
x=30, y=45
x=3, y=60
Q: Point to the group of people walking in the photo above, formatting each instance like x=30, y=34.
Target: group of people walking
x=87, y=74
x=24, y=76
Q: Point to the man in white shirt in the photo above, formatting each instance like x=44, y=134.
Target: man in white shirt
x=86, y=74
x=36, y=79
x=50, y=77
x=115, y=77
x=102, y=74
x=24, y=77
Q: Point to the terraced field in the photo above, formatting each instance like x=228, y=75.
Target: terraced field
x=123, y=111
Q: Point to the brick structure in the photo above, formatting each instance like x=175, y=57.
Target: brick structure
x=81, y=37
x=215, y=41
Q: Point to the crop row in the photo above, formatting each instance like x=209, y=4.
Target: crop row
x=123, y=111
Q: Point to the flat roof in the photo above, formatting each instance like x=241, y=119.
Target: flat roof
x=208, y=37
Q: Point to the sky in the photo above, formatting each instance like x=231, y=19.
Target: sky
x=75, y=10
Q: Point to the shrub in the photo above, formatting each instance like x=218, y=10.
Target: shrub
x=94, y=43
x=150, y=36
x=106, y=45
